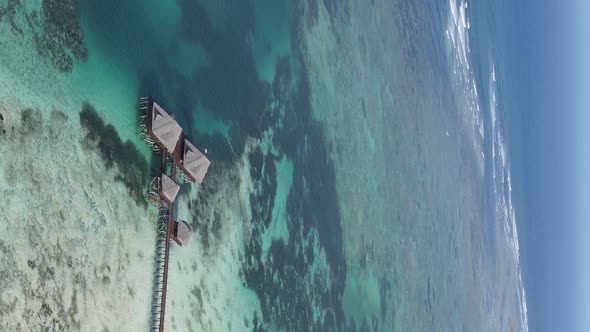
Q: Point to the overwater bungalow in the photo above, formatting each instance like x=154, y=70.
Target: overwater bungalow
x=159, y=129
x=163, y=190
x=193, y=163
x=182, y=233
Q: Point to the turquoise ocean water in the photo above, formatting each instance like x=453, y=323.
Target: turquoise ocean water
x=361, y=175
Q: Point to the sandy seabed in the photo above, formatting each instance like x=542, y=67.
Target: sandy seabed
x=69, y=233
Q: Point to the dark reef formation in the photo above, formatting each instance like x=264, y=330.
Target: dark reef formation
x=32, y=125
x=31, y=122
x=312, y=203
x=61, y=35
x=263, y=171
x=103, y=138
x=2, y=129
x=55, y=29
x=207, y=224
x=10, y=10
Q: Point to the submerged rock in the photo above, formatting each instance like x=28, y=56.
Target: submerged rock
x=57, y=122
x=2, y=129
x=31, y=121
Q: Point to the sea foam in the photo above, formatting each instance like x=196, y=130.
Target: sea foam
x=502, y=186
x=465, y=86
x=469, y=104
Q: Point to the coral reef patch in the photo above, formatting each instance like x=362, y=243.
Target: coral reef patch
x=55, y=30
x=61, y=35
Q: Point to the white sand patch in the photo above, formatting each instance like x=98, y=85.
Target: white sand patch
x=278, y=229
x=361, y=296
x=205, y=122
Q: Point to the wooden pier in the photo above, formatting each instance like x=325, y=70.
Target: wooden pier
x=160, y=258
x=164, y=135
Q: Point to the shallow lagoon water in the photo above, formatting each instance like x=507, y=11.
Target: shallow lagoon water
x=347, y=191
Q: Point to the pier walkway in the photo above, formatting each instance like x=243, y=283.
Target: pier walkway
x=164, y=135
x=158, y=288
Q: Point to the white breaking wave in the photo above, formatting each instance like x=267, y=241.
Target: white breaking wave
x=503, y=189
x=469, y=105
x=457, y=34
x=493, y=72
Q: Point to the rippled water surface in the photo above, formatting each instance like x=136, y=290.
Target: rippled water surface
x=360, y=177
